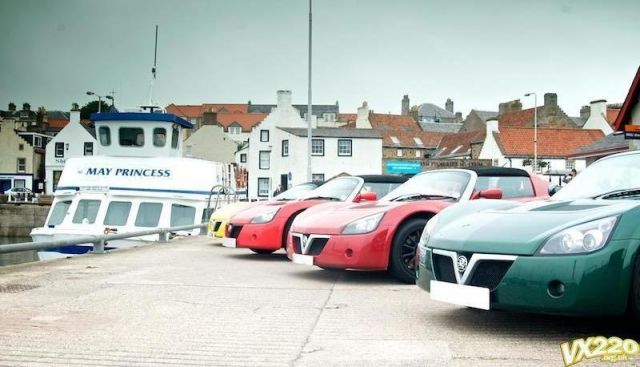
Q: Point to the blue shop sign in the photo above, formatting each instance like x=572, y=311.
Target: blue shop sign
x=403, y=167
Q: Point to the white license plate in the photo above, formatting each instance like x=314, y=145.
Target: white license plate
x=462, y=295
x=229, y=242
x=302, y=259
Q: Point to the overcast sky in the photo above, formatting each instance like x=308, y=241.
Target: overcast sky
x=478, y=53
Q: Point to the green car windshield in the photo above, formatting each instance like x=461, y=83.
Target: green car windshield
x=432, y=184
x=602, y=177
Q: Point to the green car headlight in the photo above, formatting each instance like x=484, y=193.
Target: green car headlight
x=265, y=217
x=363, y=225
x=583, y=238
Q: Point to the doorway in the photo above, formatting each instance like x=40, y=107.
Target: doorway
x=284, y=182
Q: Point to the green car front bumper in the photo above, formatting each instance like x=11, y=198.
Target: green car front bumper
x=590, y=284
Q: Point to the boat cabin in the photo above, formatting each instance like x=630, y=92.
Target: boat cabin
x=139, y=134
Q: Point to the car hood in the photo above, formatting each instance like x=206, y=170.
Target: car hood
x=522, y=229
x=245, y=216
x=229, y=210
x=330, y=218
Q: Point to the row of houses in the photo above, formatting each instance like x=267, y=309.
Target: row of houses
x=268, y=142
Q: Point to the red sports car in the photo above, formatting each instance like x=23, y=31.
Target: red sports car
x=263, y=229
x=383, y=235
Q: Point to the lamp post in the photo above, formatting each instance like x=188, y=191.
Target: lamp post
x=89, y=93
x=535, y=129
x=309, y=108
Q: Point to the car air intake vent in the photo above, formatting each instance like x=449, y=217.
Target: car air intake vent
x=296, y=244
x=234, y=231
x=216, y=226
x=489, y=273
x=317, y=245
x=443, y=268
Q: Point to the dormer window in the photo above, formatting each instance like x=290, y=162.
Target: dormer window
x=105, y=136
x=418, y=141
x=395, y=140
x=131, y=137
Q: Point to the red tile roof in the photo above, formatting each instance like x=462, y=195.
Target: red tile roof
x=196, y=111
x=57, y=123
x=246, y=120
x=347, y=117
x=612, y=115
x=404, y=128
x=459, y=143
x=518, y=142
x=624, y=117
x=517, y=118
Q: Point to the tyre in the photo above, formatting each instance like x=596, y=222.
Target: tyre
x=403, y=250
x=261, y=251
x=634, y=294
x=287, y=227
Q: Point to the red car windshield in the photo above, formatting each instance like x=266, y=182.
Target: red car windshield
x=436, y=184
x=338, y=189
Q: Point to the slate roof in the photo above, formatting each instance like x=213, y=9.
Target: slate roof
x=441, y=127
x=317, y=110
x=612, y=143
x=456, y=145
x=246, y=120
x=486, y=115
x=552, y=143
x=579, y=121
x=333, y=132
x=429, y=109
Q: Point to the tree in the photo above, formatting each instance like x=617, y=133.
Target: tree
x=92, y=107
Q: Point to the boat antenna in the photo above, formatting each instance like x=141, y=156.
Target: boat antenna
x=152, y=105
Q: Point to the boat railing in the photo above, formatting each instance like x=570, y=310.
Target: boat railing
x=228, y=195
x=98, y=241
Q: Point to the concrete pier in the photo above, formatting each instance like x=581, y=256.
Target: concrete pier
x=193, y=303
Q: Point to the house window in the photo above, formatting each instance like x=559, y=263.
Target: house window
x=264, y=160
x=105, y=136
x=263, y=186
x=20, y=146
x=159, y=137
x=317, y=147
x=117, y=213
x=399, y=153
x=88, y=148
x=264, y=135
x=243, y=158
x=344, y=148
x=87, y=210
x=22, y=165
x=234, y=130
x=148, y=214
x=418, y=153
x=329, y=117
x=131, y=136
x=395, y=140
x=418, y=141
x=285, y=148
x=19, y=184
x=59, y=150
x=188, y=150
x=317, y=177
x=182, y=215
x=570, y=164
x=174, y=138
x=37, y=141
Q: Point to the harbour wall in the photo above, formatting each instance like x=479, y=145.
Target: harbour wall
x=17, y=220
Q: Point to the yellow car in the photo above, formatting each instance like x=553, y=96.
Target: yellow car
x=219, y=219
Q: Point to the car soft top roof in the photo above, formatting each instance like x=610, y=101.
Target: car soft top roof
x=499, y=171
x=383, y=178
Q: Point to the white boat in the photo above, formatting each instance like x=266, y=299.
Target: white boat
x=138, y=181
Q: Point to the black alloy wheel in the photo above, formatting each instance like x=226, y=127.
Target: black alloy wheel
x=403, y=251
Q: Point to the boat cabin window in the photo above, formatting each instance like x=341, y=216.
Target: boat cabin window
x=159, y=137
x=182, y=215
x=86, y=211
x=148, y=214
x=174, y=138
x=59, y=212
x=131, y=137
x=117, y=213
x=105, y=136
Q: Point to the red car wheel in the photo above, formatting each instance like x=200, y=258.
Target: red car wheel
x=403, y=252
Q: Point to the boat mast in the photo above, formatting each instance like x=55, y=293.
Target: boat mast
x=151, y=105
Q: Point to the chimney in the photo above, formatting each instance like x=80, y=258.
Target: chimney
x=459, y=117
x=12, y=107
x=598, y=108
x=405, y=105
x=448, y=105
x=550, y=100
x=284, y=99
x=75, y=107
x=26, y=107
x=210, y=118
x=413, y=112
x=585, y=112
x=492, y=126
x=362, y=121
x=74, y=114
x=510, y=106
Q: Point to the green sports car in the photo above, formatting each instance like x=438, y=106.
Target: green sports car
x=576, y=253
